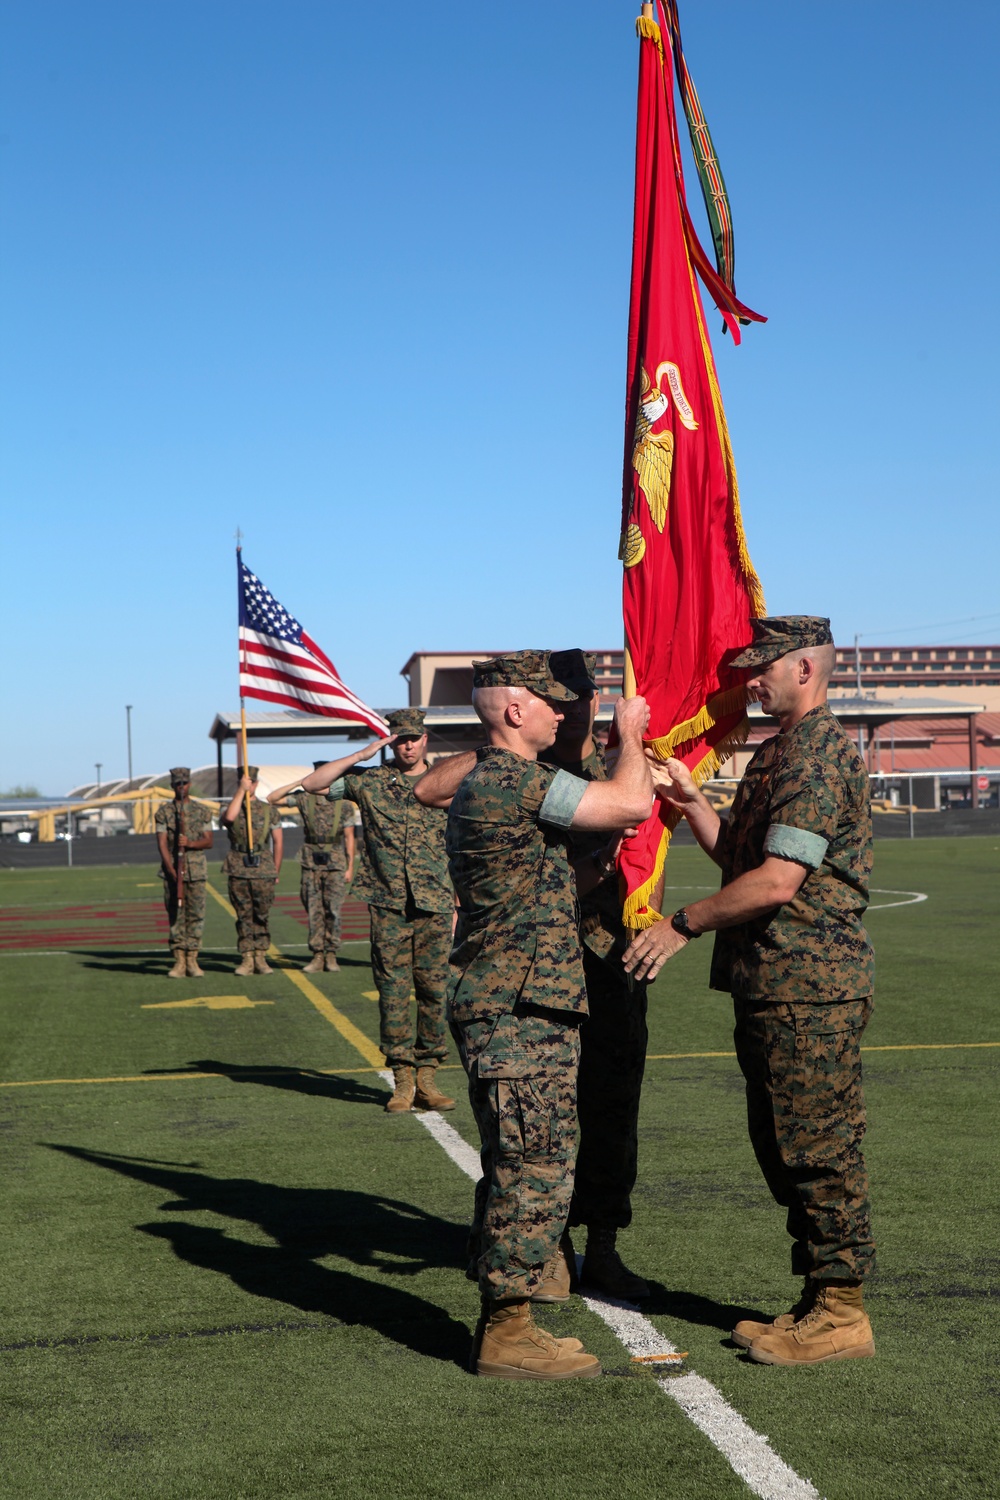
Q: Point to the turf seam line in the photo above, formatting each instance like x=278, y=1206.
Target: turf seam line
x=747, y=1452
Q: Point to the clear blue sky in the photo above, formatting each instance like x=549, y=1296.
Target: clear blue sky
x=356, y=280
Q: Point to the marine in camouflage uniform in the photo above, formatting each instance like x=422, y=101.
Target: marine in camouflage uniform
x=801, y=974
x=252, y=876
x=614, y=1035
x=327, y=861
x=193, y=822
x=517, y=998
x=404, y=879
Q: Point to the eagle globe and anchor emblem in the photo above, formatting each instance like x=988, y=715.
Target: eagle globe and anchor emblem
x=653, y=452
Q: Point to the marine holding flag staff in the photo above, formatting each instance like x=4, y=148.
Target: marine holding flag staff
x=796, y=858
x=517, y=993
x=253, y=870
x=404, y=879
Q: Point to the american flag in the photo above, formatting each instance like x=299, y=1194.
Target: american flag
x=281, y=664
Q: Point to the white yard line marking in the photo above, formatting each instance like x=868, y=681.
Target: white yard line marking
x=912, y=899
x=748, y=1453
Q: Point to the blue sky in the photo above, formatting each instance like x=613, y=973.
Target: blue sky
x=356, y=281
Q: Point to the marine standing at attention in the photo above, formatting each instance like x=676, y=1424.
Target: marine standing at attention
x=792, y=950
x=327, y=861
x=183, y=833
x=252, y=876
x=404, y=879
x=517, y=993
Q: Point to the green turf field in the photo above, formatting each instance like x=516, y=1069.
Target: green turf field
x=228, y=1273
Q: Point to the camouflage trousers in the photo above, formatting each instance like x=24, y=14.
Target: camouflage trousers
x=410, y=956
x=322, y=893
x=522, y=1072
x=252, y=901
x=806, y=1116
x=613, y=1040
x=188, y=922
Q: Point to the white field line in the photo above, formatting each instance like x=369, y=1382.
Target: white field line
x=748, y=1453
x=912, y=899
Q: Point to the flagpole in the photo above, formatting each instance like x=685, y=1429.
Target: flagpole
x=243, y=709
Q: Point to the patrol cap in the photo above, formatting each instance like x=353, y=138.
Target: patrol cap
x=180, y=775
x=527, y=669
x=576, y=670
x=775, y=635
x=252, y=771
x=406, y=721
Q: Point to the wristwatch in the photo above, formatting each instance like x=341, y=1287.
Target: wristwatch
x=605, y=867
x=679, y=922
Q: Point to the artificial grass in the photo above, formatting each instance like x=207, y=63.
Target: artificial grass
x=252, y=1285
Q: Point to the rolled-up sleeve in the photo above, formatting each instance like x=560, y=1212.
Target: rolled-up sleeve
x=805, y=848
x=562, y=799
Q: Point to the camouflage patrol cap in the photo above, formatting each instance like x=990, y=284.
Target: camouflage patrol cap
x=527, y=669
x=406, y=721
x=776, y=635
x=576, y=670
x=180, y=775
x=252, y=771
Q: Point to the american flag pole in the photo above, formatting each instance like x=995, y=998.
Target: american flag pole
x=243, y=707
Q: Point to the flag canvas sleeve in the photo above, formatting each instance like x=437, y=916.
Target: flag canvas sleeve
x=689, y=587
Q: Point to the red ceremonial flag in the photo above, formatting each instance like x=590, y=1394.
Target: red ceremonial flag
x=689, y=586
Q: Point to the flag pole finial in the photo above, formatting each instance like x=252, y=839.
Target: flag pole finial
x=239, y=539
x=647, y=10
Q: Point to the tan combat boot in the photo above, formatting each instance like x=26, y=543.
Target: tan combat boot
x=513, y=1347
x=604, y=1269
x=558, y=1274
x=837, y=1327
x=568, y=1345
x=747, y=1330
x=315, y=965
x=194, y=972
x=332, y=966
x=180, y=968
x=246, y=966
x=428, y=1095
x=260, y=965
x=402, y=1094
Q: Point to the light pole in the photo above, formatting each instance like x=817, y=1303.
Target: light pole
x=97, y=767
x=128, y=731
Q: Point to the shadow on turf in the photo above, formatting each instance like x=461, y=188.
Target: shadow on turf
x=689, y=1307
x=300, y=1080
x=385, y=1235
x=154, y=965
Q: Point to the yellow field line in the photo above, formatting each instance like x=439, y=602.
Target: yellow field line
x=31, y=1083
x=897, y=1047
x=351, y=1033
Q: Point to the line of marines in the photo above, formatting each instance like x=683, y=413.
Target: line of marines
x=492, y=887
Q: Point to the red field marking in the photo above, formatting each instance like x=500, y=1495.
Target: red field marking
x=127, y=926
x=353, y=916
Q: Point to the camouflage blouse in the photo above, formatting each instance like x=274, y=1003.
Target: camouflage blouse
x=324, y=820
x=804, y=796
x=404, y=857
x=601, y=926
x=265, y=818
x=196, y=821
x=517, y=938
